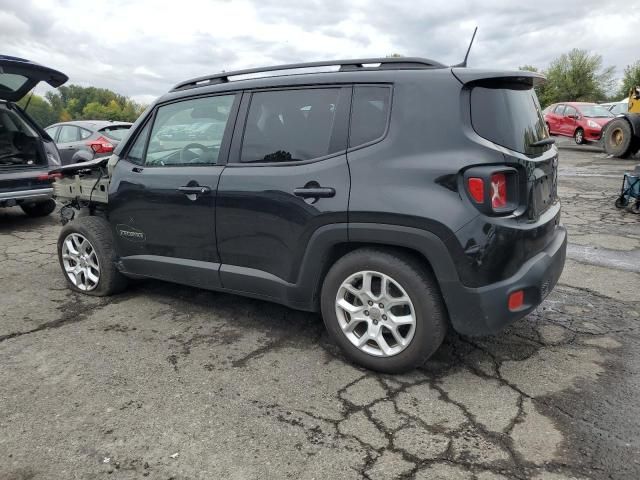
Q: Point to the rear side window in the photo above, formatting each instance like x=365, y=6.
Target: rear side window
x=84, y=133
x=509, y=115
x=559, y=110
x=290, y=125
x=369, y=113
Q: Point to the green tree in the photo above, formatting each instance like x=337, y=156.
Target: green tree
x=73, y=102
x=631, y=78
x=541, y=90
x=577, y=76
x=40, y=110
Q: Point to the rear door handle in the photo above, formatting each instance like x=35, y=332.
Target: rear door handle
x=315, y=192
x=195, y=190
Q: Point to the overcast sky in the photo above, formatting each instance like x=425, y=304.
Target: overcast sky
x=141, y=48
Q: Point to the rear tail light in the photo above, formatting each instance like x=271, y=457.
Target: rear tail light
x=494, y=190
x=101, y=145
x=516, y=300
x=49, y=176
x=498, y=191
x=476, y=189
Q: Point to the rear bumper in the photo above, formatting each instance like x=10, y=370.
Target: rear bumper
x=26, y=195
x=484, y=310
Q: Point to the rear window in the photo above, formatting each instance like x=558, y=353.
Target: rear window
x=509, y=115
x=10, y=82
x=116, y=132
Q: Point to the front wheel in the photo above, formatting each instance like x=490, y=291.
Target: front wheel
x=618, y=138
x=40, y=209
x=384, y=309
x=578, y=136
x=87, y=257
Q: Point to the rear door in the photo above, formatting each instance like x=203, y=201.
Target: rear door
x=556, y=118
x=287, y=178
x=163, y=192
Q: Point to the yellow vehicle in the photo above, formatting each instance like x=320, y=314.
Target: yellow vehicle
x=621, y=136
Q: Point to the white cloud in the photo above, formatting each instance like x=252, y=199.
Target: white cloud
x=143, y=48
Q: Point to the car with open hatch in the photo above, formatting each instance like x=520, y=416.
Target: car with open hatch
x=382, y=193
x=27, y=153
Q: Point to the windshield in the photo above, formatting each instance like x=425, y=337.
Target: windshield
x=509, y=115
x=595, y=111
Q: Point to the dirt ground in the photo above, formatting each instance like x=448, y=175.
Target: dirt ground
x=168, y=382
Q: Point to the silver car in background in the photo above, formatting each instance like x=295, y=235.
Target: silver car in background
x=84, y=140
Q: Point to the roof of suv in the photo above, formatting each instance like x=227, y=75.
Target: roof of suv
x=361, y=64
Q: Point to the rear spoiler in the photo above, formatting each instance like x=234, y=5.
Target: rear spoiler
x=472, y=75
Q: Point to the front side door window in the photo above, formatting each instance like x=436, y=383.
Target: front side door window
x=189, y=132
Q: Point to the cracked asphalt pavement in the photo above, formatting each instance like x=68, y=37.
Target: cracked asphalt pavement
x=169, y=382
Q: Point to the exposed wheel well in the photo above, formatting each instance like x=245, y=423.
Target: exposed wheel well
x=339, y=250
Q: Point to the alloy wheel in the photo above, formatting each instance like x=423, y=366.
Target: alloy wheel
x=375, y=313
x=80, y=262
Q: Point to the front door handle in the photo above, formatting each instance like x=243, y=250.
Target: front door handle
x=315, y=192
x=195, y=190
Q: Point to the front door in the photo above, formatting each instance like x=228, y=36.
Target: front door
x=286, y=178
x=569, y=120
x=163, y=191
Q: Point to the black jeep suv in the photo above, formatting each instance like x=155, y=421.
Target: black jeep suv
x=27, y=153
x=395, y=196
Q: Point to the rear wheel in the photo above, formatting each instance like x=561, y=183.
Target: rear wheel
x=87, y=257
x=40, y=209
x=578, y=136
x=618, y=138
x=384, y=309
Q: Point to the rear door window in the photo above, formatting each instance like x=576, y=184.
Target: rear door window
x=369, y=114
x=559, y=110
x=509, y=115
x=291, y=125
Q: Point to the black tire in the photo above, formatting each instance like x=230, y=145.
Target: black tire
x=98, y=232
x=420, y=286
x=40, y=209
x=618, y=138
x=578, y=136
x=621, y=202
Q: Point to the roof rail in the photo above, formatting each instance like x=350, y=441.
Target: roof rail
x=390, y=63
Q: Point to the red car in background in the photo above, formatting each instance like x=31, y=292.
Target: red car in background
x=582, y=121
